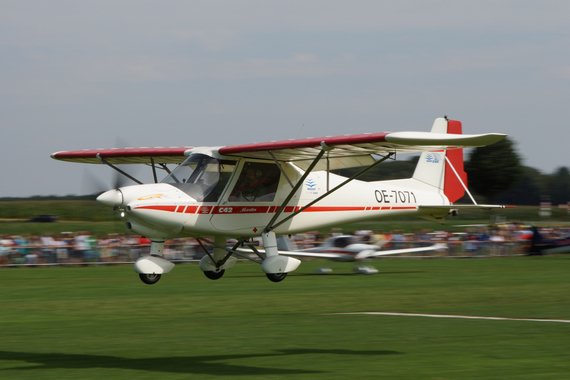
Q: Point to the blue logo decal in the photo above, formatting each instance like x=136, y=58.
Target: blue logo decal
x=311, y=184
x=432, y=158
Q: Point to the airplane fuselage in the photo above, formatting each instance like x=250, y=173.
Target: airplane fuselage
x=166, y=209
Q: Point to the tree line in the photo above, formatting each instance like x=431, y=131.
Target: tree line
x=496, y=175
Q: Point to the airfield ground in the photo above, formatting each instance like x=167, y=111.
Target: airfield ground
x=103, y=323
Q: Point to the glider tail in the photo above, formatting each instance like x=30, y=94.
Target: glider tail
x=444, y=169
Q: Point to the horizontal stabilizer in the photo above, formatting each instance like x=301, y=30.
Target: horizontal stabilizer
x=461, y=207
x=439, y=212
x=443, y=139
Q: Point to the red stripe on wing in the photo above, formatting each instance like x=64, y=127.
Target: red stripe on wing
x=305, y=143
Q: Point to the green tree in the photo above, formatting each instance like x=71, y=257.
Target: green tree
x=559, y=186
x=494, y=168
x=527, y=190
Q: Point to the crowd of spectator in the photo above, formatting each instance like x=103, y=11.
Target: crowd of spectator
x=82, y=247
x=479, y=240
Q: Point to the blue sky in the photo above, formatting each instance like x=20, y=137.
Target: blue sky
x=168, y=73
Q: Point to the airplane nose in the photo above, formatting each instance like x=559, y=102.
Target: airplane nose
x=111, y=198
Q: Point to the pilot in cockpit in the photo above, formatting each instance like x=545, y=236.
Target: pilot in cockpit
x=258, y=182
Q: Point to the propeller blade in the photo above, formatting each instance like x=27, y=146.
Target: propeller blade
x=92, y=184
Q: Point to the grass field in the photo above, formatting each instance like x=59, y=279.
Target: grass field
x=103, y=323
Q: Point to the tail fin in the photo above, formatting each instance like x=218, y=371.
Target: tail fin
x=441, y=169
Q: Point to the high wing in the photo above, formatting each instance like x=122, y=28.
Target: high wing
x=114, y=156
x=342, y=151
x=356, y=150
x=359, y=145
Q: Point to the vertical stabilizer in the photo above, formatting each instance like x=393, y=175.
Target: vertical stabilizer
x=439, y=168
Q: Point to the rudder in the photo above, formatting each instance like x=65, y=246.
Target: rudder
x=453, y=187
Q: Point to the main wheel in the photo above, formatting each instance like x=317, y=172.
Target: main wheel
x=276, y=277
x=149, y=278
x=214, y=275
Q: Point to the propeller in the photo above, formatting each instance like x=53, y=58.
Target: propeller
x=94, y=185
x=120, y=176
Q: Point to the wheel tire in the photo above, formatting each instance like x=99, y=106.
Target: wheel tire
x=214, y=275
x=149, y=278
x=276, y=277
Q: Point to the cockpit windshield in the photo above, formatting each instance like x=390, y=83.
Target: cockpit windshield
x=202, y=177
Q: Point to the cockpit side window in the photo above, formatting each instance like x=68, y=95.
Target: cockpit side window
x=226, y=170
x=202, y=177
x=257, y=182
x=343, y=242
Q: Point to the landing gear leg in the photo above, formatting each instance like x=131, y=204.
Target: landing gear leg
x=150, y=268
x=214, y=265
x=276, y=266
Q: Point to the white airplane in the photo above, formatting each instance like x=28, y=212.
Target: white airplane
x=280, y=188
x=348, y=248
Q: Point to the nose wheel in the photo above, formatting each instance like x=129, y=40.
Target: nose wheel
x=149, y=278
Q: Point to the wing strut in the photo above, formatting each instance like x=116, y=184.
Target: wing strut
x=153, y=170
x=119, y=170
x=271, y=225
x=165, y=168
x=281, y=168
x=230, y=252
x=460, y=180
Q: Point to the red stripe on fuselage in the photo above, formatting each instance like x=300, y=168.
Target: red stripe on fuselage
x=264, y=209
x=159, y=208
